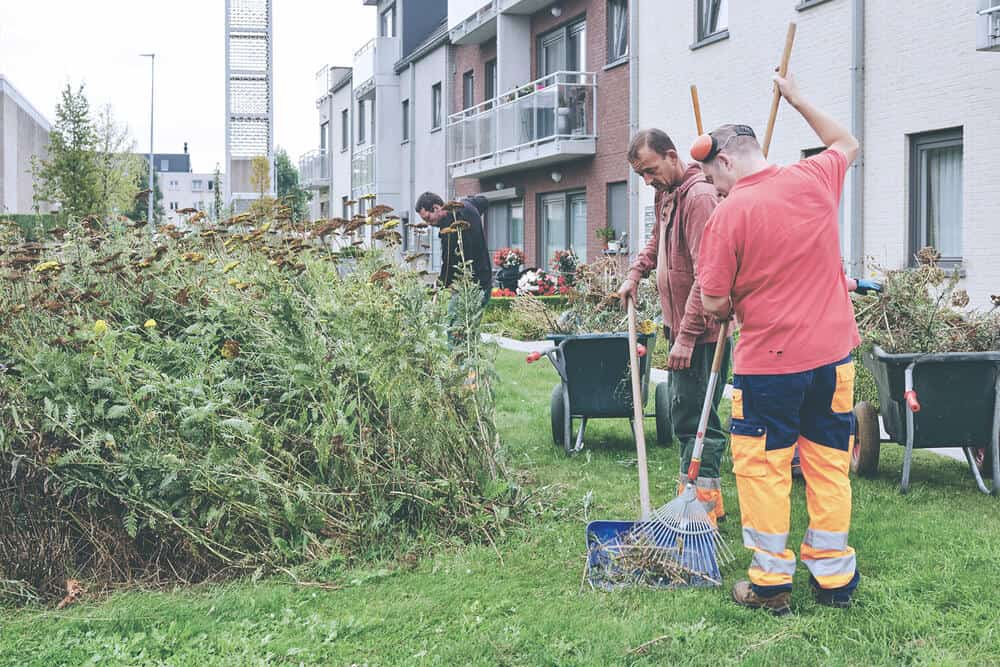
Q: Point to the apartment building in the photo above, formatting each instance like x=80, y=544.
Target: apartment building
x=182, y=188
x=381, y=125
x=916, y=81
x=24, y=133
x=541, y=120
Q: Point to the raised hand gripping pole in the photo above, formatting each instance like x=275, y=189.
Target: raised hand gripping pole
x=637, y=416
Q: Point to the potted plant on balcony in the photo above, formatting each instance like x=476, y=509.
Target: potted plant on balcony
x=607, y=235
x=509, y=262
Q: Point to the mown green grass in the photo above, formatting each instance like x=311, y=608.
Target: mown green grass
x=929, y=562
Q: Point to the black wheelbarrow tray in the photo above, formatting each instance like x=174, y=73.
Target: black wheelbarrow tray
x=933, y=400
x=594, y=384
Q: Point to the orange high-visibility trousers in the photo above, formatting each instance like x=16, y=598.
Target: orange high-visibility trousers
x=772, y=414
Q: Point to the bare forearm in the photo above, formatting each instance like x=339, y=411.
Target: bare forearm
x=830, y=132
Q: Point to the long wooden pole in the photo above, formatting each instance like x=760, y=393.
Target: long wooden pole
x=637, y=413
x=776, y=100
x=697, y=109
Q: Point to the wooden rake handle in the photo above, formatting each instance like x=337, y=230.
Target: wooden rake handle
x=696, y=105
x=639, y=430
x=776, y=99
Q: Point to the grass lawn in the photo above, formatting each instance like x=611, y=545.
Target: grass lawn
x=929, y=560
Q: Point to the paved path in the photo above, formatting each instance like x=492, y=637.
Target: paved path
x=657, y=376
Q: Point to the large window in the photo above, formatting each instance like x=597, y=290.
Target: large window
x=617, y=30
x=563, y=224
x=405, y=112
x=435, y=106
x=936, y=193
x=362, y=126
x=712, y=18
x=618, y=209
x=345, y=130
x=505, y=225
x=387, y=22
x=468, y=90
x=563, y=49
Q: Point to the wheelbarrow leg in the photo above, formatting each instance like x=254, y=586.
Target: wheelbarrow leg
x=975, y=469
x=568, y=428
x=579, y=436
x=908, y=454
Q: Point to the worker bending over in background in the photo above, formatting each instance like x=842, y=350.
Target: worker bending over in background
x=771, y=252
x=684, y=201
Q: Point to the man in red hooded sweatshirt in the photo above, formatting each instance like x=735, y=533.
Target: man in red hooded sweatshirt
x=684, y=202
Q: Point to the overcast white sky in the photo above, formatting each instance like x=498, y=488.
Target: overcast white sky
x=45, y=44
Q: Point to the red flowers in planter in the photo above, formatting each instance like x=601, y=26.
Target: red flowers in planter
x=508, y=258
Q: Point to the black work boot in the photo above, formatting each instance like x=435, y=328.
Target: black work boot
x=778, y=604
x=839, y=598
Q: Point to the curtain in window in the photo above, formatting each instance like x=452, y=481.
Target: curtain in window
x=617, y=29
x=554, y=221
x=517, y=225
x=578, y=226
x=943, y=200
x=713, y=17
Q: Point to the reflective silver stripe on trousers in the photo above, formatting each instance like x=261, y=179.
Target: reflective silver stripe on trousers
x=772, y=564
x=709, y=483
x=829, y=567
x=766, y=541
x=825, y=540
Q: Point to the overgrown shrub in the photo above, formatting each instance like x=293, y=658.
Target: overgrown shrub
x=183, y=406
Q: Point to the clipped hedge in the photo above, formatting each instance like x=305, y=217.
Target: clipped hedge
x=505, y=303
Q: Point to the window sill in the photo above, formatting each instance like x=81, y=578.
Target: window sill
x=711, y=39
x=616, y=63
x=808, y=4
x=435, y=129
x=404, y=142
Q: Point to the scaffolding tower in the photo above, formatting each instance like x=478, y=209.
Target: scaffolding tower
x=249, y=96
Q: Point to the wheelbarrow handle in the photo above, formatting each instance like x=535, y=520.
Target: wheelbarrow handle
x=911, y=401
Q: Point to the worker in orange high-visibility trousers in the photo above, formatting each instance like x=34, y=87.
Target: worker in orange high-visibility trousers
x=771, y=253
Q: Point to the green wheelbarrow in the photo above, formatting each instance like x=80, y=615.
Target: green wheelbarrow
x=594, y=384
x=949, y=399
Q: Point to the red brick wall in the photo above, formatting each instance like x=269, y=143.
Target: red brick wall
x=609, y=165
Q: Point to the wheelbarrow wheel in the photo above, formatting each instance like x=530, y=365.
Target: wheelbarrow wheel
x=867, y=439
x=557, y=410
x=664, y=428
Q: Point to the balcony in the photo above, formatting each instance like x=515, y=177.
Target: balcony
x=314, y=170
x=375, y=59
x=548, y=121
x=324, y=82
x=523, y=6
x=363, y=172
x=476, y=22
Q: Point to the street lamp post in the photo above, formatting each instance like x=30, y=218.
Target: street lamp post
x=152, y=189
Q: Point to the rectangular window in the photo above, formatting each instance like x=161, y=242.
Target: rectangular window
x=211, y=185
x=936, y=194
x=164, y=165
x=405, y=112
x=345, y=130
x=563, y=225
x=617, y=30
x=468, y=90
x=435, y=106
x=505, y=225
x=618, y=209
x=491, y=80
x=361, y=122
x=563, y=49
x=712, y=17
x=324, y=131
x=345, y=210
x=196, y=184
x=387, y=22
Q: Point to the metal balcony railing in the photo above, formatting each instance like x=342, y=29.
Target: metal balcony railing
x=323, y=82
x=558, y=107
x=363, y=172
x=314, y=169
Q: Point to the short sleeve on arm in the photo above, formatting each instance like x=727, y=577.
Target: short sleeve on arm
x=830, y=168
x=717, y=257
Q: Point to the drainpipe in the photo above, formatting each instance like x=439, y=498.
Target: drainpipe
x=411, y=146
x=445, y=112
x=635, y=230
x=857, y=257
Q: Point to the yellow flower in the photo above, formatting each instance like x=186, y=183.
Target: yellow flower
x=100, y=327
x=242, y=286
x=48, y=266
x=229, y=267
x=213, y=261
x=232, y=281
x=266, y=226
x=646, y=327
x=389, y=224
x=150, y=324
x=230, y=349
x=193, y=257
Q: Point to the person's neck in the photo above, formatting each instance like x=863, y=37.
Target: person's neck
x=752, y=166
x=678, y=178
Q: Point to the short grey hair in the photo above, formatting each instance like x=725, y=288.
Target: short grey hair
x=730, y=142
x=654, y=139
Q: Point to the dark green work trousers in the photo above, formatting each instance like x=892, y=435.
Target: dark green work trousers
x=687, y=395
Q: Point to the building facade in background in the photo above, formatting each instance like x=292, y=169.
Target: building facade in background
x=249, y=96
x=24, y=133
x=182, y=189
x=540, y=121
x=907, y=77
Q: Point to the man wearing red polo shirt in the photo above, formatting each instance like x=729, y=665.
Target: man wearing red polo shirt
x=771, y=253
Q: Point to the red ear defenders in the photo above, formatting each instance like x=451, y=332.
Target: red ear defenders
x=707, y=147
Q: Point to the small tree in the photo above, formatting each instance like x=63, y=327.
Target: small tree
x=287, y=186
x=260, y=175
x=217, y=204
x=70, y=174
x=140, y=204
x=120, y=170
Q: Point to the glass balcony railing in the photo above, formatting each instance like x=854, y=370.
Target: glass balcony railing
x=314, y=169
x=363, y=172
x=557, y=108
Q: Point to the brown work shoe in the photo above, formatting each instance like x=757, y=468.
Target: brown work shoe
x=779, y=605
